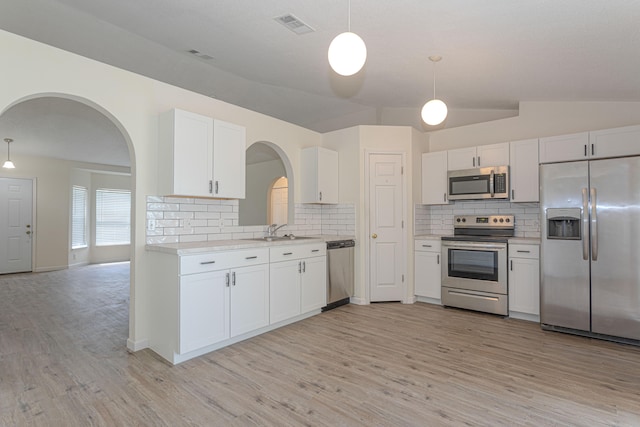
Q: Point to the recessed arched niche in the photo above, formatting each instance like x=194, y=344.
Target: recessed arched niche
x=269, y=186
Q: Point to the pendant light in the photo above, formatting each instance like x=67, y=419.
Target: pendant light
x=347, y=52
x=8, y=164
x=435, y=111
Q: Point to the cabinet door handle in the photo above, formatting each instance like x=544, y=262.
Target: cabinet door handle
x=251, y=257
x=593, y=151
x=207, y=262
x=474, y=162
x=438, y=259
x=513, y=194
x=321, y=196
x=304, y=266
x=427, y=246
x=478, y=161
x=233, y=278
x=210, y=186
x=299, y=267
x=216, y=187
x=226, y=280
x=315, y=250
x=585, y=150
x=287, y=253
x=523, y=252
x=511, y=265
x=444, y=197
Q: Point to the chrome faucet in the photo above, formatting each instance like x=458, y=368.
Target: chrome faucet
x=271, y=230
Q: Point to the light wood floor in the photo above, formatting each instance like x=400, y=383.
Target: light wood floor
x=63, y=362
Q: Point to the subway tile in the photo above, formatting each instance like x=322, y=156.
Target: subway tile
x=155, y=199
x=163, y=206
x=192, y=208
x=158, y=240
x=193, y=238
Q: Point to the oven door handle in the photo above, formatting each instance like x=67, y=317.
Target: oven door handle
x=475, y=246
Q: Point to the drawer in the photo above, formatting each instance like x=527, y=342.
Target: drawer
x=287, y=252
x=431, y=245
x=524, y=251
x=211, y=261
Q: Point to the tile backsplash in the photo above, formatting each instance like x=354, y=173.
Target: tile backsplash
x=438, y=220
x=179, y=220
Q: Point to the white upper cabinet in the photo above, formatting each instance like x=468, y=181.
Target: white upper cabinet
x=480, y=156
x=198, y=155
x=564, y=148
x=524, y=170
x=616, y=142
x=319, y=172
x=185, y=140
x=434, y=178
x=229, y=148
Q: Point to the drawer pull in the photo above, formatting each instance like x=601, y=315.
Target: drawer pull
x=523, y=252
x=252, y=257
x=207, y=262
x=288, y=253
x=427, y=246
x=315, y=250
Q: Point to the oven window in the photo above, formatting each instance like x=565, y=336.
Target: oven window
x=479, y=265
x=478, y=184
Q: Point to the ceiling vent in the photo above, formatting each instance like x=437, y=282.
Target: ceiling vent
x=294, y=24
x=200, y=55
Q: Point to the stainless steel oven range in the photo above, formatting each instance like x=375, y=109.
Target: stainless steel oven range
x=474, y=267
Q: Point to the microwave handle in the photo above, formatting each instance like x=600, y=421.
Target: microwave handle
x=491, y=185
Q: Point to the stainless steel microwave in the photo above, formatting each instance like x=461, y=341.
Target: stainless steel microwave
x=482, y=183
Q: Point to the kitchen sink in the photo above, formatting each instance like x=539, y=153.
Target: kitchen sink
x=279, y=238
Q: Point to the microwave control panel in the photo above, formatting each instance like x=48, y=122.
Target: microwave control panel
x=500, y=185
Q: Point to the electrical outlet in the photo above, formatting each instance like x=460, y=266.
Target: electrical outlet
x=151, y=225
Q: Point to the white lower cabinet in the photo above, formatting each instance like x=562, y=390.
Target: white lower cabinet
x=206, y=301
x=298, y=277
x=524, y=281
x=428, y=271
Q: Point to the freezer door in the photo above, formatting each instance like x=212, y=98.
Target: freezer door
x=564, y=282
x=615, y=273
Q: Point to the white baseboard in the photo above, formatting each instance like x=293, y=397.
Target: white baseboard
x=524, y=316
x=54, y=268
x=412, y=299
x=134, y=346
x=358, y=301
x=429, y=300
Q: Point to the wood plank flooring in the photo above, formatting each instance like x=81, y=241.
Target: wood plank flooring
x=63, y=362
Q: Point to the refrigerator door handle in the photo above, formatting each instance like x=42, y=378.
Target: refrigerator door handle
x=594, y=225
x=585, y=224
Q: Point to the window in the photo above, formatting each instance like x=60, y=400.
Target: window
x=78, y=217
x=113, y=217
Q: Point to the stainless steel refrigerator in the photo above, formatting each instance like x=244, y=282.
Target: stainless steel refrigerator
x=590, y=248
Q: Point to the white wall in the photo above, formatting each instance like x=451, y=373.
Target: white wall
x=133, y=103
x=539, y=119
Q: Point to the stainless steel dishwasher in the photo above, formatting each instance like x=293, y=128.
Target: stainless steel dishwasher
x=340, y=276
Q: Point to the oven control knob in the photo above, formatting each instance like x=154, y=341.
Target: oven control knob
x=464, y=219
x=508, y=220
x=495, y=219
x=501, y=219
x=457, y=219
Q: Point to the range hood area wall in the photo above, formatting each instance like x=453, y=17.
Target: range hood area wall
x=438, y=220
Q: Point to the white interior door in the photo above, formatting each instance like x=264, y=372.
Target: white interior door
x=386, y=247
x=16, y=204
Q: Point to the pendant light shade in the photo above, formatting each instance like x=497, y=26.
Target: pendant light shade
x=8, y=164
x=435, y=111
x=347, y=52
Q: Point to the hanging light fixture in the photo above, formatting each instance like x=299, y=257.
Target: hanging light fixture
x=435, y=111
x=8, y=164
x=347, y=52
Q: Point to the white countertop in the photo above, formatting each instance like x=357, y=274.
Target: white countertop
x=226, y=245
x=524, y=240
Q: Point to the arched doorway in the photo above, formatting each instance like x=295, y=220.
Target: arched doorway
x=59, y=136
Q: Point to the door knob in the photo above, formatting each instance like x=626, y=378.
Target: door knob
x=28, y=232
x=374, y=235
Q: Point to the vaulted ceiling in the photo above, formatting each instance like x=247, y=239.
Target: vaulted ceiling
x=496, y=53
